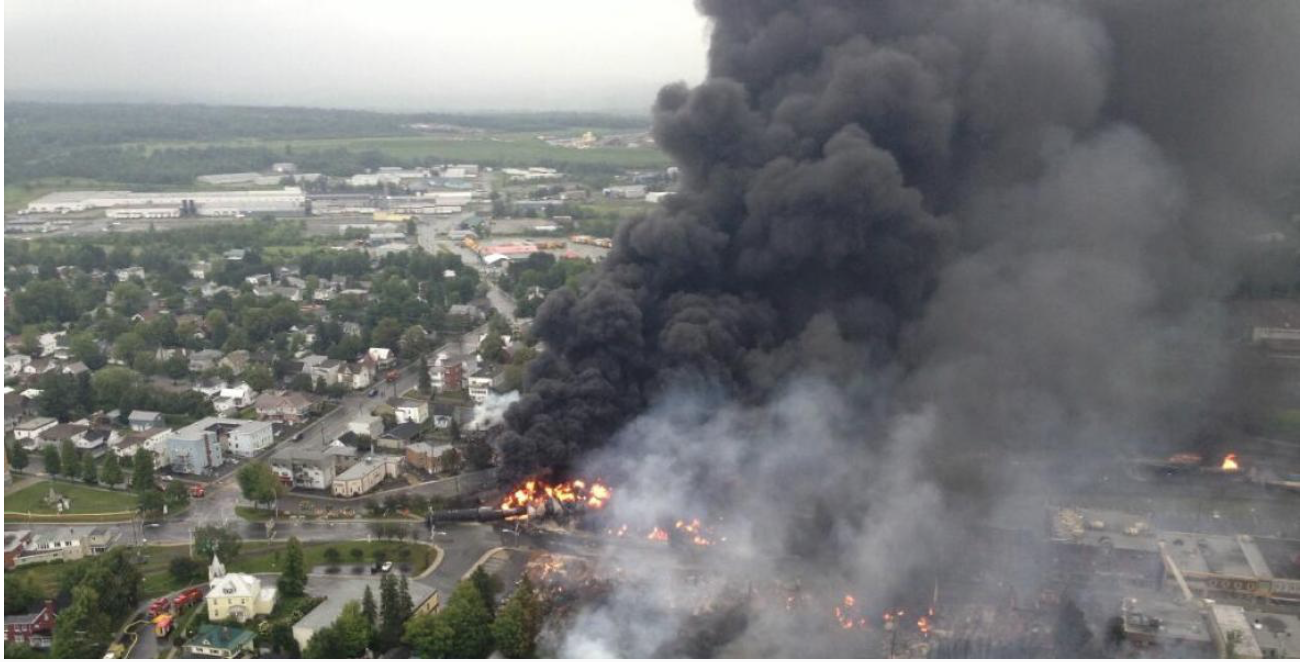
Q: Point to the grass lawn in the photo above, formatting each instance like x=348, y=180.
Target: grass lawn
x=86, y=500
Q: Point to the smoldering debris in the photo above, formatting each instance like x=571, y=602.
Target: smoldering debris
x=911, y=239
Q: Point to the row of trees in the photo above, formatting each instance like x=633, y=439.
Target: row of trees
x=104, y=591
x=69, y=397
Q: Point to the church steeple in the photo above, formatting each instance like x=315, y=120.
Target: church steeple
x=216, y=570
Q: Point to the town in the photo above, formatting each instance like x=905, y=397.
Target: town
x=905, y=329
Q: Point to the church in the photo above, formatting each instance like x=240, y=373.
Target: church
x=236, y=596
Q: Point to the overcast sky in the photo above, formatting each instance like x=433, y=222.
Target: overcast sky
x=377, y=54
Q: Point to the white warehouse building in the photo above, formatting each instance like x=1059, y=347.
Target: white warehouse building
x=206, y=203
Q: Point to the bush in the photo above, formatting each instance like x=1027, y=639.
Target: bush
x=357, y=554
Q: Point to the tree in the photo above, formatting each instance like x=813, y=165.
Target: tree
x=293, y=579
x=142, y=478
x=368, y=606
x=387, y=333
x=487, y=586
x=177, y=495
x=50, y=458
x=479, y=454
x=414, y=341
x=185, y=570
x=493, y=348
x=348, y=637
x=83, y=630
x=21, y=593
x=84, y=347
x=127, y=345
x=393, y=613
x=89, y=469
x=109, y=385
x=451, y=461
x=282, y=640
x=19, y=457
x=259, y=484
x=259, y=377
x=69, y=459
x=357, y=554
x=516, y=628
x=1071, y=635
x=425, y=383
x=110, y=472
x=463, y=629
x=333, y=556
x=152, y=502
x=216, y=540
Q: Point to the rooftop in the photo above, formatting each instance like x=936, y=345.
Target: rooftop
x=221, y=636
x=343, y=591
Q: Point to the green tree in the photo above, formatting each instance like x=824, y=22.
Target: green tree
x=110, y=472
x=83, y=630
x=89, y=469
x=451, y=461
x=333, y=556
x=19, y=457
x=479, y=454
x=185, y=570
x=152, y=502
x=282, y=640
x=84, y=347
x=414, y=341
x=50, y=458
x=516, y=628
x=259, y=484
x=393, y=613
x=142, y=471
x=69, y=459
x=127, y=345
x=177, y=495
x=259, y=377
x=348, y=637
x=387, y=333
x=129, y=298
x=109, y=385
x=493, y=348
x=293, y=579
x=368, y=606
x=463, y=629
x=425, y=383
x=216, y=540
x=487, y=586
x=21, y=593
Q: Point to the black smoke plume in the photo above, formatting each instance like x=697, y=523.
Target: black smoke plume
x=911, y=240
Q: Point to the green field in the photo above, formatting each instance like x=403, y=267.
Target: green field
x=85, y=500
x=501, y=149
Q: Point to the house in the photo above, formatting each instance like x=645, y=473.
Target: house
x=197, y=448
x=234, y=255
x=14, y=542
x=14, y=364
x=283, y=406
x=481, y=383
x=321, y=368
x=52, y=342
x=443, y=415
x=258, y=279
x=448, y=370
x=407, y=410
x=364, y=476
x=351, y=329
x=57, y=434
x=63, y=545
x=74, y=368
x=128, y=273
x=141, y=420
x=153, y=440
x=237, y=361
x=309, y=468
x=199, y=270
x=205, y=359
x=426, y=456
x=358, y=375
x=237, y=596
x=371, y=426
x=35, y=629
x=210, y=387
x=344, y=590
x=221, y=641
x=382, y=356
x=234, y=397
x=466, y=311
x=97, y=438
x=399, y=436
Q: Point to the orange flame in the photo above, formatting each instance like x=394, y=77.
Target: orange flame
x=658, y=535
x=536, y=493
x=1230, y=462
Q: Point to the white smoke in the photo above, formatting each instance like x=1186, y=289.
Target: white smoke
x=492, y=410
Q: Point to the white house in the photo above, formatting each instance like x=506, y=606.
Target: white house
x=141, y=420
x=407, y=410
x=381, y=355
x=237, y=596
x=14, y=364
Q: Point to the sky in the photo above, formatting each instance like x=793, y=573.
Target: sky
x=608, y=55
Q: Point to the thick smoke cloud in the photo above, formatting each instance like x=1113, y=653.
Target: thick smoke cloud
x=909, y=238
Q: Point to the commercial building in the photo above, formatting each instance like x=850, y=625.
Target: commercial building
x=364, y=476
x=205, y=203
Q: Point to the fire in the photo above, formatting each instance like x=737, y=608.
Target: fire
x=693, y=528
x=535, y=493
x=1230, y=462
x=923, y=624
x=658, y=535
x=844, y=614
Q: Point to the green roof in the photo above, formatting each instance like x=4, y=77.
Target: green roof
x=221, y=636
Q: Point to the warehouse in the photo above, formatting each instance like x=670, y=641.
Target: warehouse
x=206, y=203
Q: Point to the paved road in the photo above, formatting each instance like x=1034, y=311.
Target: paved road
x=432, y=237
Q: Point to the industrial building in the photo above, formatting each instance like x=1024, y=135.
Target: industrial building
x=205, y=203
